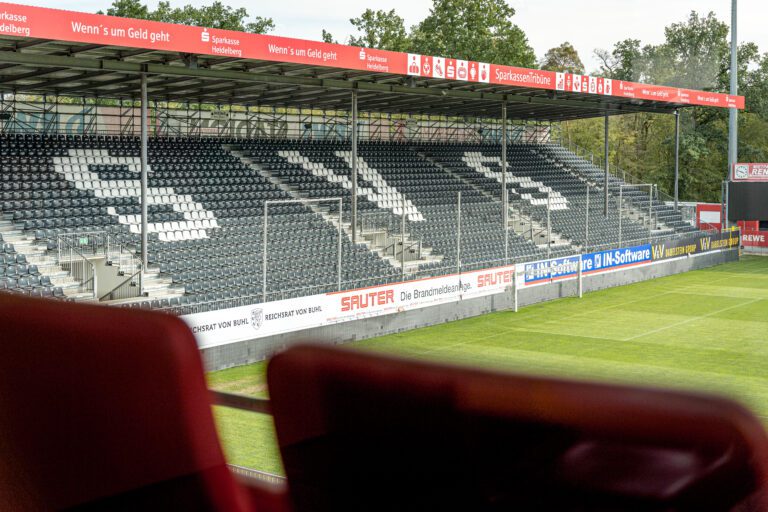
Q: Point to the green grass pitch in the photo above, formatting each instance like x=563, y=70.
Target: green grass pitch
x=705, y=330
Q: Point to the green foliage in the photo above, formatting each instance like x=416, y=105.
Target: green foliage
x=563, y=58
x=479, y=30
x=622, y=61
x=383, y=30
x=696, y=55
x=327, y=37
x=215, y=15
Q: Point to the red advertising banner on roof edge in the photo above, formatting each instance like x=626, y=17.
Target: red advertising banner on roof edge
x=43, y=23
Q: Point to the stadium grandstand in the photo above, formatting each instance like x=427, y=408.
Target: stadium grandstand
x=228, y=195
x=366, y=177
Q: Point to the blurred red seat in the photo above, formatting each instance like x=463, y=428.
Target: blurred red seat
x=107, y=409
x=366, y=432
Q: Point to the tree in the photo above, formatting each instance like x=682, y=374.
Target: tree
x=480, y=30
x=624, y=62
x=563, y=58
x=215, y=15
x=326, y=37
x=383, y=30
x=128, y=9
x=694, y=54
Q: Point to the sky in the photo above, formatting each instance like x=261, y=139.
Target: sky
x=588, y=24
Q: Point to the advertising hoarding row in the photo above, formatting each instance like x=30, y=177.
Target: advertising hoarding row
x=248, y=322
x=225, y=326
x=36, y=22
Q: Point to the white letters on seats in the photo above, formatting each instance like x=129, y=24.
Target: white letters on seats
x=75, y=169
x=476, y=161
x=383, y=196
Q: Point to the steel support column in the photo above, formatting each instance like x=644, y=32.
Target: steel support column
x=605, y=178
x=504, y=193
x=458, y=232
x=733, y=127
x=354, y=166
x=677, y=157
x=144, y=206
x=586, y=223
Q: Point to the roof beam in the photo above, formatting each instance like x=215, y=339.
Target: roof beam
x=603, y=104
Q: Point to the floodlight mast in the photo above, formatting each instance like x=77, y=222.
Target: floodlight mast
x=733, y=128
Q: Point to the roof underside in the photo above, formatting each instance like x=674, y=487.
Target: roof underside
x=54, y=68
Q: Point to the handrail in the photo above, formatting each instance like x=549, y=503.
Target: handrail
x=72, y=249
x=130, y=279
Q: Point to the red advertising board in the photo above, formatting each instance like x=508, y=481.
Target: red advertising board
x=708, y=216
x=750, y=172
x=754, y=239
x=38, y=22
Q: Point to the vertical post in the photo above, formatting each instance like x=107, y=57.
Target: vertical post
x=605, y=152
x=549, y=226
x=677, y=157
x=722, y=205
x=338, y=247
x=650, y=212
x=514, y=285
x=504, y=193
x=402, y=240
x=458, y=234
x=621, y=210
x=586, y=222
x=354, y=166
x=144, y=206
x=733, y=127
x=581, y=275
x=264, y=256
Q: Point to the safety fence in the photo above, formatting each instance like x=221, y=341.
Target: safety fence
x=450, y=238
x=262, y=319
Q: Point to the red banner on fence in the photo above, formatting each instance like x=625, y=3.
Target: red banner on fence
x=750, y=172
x=754, y=239
x=38, y=22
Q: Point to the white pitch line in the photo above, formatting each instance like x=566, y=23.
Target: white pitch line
x=689, y=320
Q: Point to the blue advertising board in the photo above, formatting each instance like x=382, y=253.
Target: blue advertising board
x=563, y=268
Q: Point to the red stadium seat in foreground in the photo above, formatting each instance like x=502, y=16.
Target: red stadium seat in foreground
x=365, y=432
x=106, y=409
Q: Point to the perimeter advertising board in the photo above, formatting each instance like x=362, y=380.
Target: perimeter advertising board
x=260, y=320
x=547, y=271
x=668, y=249
x=248, y=322
x=42, y=23
x=556, y=269
x=755, y=239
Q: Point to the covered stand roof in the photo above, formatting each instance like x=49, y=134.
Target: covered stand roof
x=64, y=53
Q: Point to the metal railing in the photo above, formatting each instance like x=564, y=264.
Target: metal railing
x=613, y=170
x=116, y=253
x=447, y=268
x=128, y=289
x=79, y=267
x=377, y=221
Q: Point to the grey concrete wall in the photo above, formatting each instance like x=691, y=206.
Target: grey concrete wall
x=250, y=351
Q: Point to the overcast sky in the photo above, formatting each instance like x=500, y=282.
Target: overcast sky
x=587, y=24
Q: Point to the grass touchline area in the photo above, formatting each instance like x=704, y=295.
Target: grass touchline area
x=705, y=330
